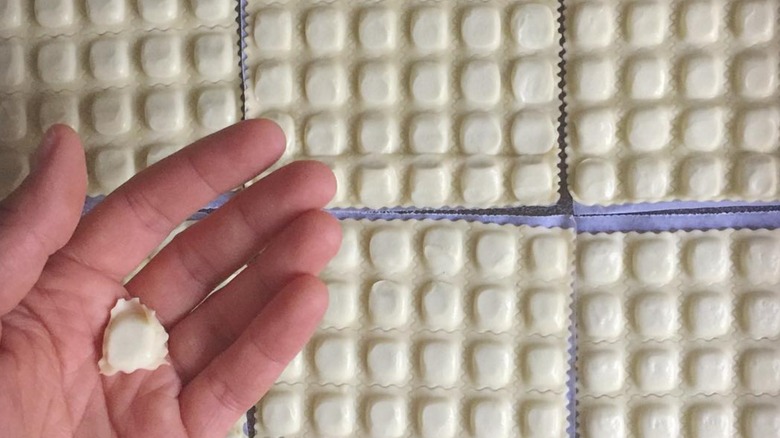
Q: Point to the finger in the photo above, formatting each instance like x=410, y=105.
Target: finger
x=303, y=248
x=237, y=378
x=183, y=273
x=123, y=229
x=39, y=218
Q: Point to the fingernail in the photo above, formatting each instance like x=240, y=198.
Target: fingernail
x=46, y=147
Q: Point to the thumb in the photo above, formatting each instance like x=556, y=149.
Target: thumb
x=40, y=216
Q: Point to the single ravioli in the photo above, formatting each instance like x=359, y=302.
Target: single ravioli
x=134, y=339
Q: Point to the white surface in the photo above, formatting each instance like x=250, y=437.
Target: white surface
x=134, y=339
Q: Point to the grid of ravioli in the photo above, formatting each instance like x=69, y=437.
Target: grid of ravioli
x=137, y=80
x=435, y=329
x=673, y=100
x=425, y=103
x=679, y=334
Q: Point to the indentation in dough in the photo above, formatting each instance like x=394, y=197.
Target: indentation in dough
x=646, y=23
x=756, y=75
x=593, y=24
x=281, y=412
x=708, y=370
x=57, y=63
x=377, y=29
x=437, y=418
x=325, y=134
x=602, y=371
x=334, y=415
x=757, y=176
x=390, y=249
x=759, y=129
x=595, y=180
x=601, y=316
x=699, y=21
x=326, y=84
x=428, y=83
x=439, y=363
x=490, y=418
x=11, y=17
x=480, y=83
x=656, y=370
x=109, y=59
x=429, y=29
x=708, y=314
x=216, y=108
x=547, y=257
x=134, y=339
x=211, y=10
x=378, y=84
x=386, y=417
x=533, y=81
x=387, y=362
x=593, y=79
x=648, y=78
x=703, y=128
x=533, y=133
x=335, y=359
x=649, y=129
x=533, y=181
x=653, y=261
x=273, y=85
x=761, y=420
x=648, y=177
x=657, y=421
x=105, y=12
x=429, y=134
x=533, y=26
x=481, y=28
x=12, y=69
x=441, y=306
x=325, y=30
x=702, y=76
x=273, y=30
x=158, y=11
x=595, y=131
x=161, y=56
x=702, y=176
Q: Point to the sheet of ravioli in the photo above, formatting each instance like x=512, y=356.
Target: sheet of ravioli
x=673, y=100
x=138, y=80
x=435, y=329
x=679, y=334
x=423, y=103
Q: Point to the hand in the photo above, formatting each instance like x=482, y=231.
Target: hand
x=60, y=274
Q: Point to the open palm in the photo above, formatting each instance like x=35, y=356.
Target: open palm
x=60, y=274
